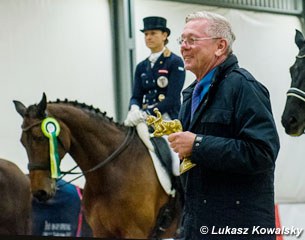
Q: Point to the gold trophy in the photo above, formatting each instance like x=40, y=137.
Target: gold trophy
x=162, y=127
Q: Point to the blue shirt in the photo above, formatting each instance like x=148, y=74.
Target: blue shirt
x=206, y=82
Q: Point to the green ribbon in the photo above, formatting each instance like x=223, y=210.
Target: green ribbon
x=51, y=129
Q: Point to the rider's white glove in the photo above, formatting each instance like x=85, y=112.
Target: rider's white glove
x=134, y=116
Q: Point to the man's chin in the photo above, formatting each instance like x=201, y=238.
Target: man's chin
x=187, y=65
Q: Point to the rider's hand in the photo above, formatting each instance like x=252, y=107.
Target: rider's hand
x=134, y=116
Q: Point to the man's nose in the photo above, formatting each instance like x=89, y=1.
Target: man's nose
x=184, y=45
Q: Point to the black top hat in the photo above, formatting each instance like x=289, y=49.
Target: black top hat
x=155, y=23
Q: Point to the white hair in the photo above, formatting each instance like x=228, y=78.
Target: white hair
x=218, y=26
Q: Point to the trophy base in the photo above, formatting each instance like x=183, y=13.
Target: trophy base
x=186, y=165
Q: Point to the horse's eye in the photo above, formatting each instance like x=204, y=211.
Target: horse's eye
x=32, y=138
x=37, y=135
x=39, y=138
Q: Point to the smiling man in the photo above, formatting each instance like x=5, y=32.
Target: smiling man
x=229, y=134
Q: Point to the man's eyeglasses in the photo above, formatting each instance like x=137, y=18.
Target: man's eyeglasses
x=191, y=41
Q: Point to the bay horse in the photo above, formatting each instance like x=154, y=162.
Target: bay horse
x=15, y=203
x=122, y=195
x=293, y=117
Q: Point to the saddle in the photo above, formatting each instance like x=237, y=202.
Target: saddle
x=167, y=212
x=163, y=158
x=163, y=152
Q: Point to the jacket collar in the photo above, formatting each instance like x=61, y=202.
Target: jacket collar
x=226, y=67
x=222, y=71
x=187, y=93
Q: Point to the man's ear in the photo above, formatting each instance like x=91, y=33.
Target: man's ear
x=221, y=47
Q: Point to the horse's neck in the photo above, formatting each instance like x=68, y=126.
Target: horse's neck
x=93, y=138
x=89, y=148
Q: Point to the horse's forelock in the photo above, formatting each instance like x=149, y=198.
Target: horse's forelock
x=33, y=112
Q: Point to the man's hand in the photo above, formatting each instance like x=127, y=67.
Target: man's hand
x=134, y=116
x=182, y=143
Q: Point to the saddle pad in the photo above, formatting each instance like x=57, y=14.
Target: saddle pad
x=162, y=151
x=162, y=174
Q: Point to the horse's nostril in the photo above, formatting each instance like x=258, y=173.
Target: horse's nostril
x=41, y=195
x=292, y=120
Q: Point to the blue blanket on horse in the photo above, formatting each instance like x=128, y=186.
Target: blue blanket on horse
x=61, y=215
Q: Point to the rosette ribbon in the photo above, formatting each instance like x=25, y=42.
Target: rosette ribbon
x=50, y=128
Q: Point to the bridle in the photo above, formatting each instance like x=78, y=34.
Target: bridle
x=295, y=92
x=35, y=166
x=300, y=56
x=40, y=166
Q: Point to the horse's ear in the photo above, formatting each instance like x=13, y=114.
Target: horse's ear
x=42, y=105
x=20, y=108
x=299, y=39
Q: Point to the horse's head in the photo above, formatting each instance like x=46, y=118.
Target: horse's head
x=293, y=118
x=150, y=120
x=38, y=147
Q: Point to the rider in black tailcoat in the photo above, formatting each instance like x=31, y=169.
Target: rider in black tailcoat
x=159, y=78
x=158, y=83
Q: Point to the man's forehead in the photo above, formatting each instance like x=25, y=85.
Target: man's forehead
x=195, y=26
x=197, y=21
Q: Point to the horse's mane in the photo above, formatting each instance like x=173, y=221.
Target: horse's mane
x=95, y=112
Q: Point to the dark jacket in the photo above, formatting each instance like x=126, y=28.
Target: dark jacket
x=232, y=184
x=62, y=215
x=159, y=86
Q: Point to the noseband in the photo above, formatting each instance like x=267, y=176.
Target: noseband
x=295, y=92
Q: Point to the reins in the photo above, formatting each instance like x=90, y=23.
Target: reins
x=117, y=152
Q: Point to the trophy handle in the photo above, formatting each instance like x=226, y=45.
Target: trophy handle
x=186, y=165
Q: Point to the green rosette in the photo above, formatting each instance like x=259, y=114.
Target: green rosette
x=50, y=128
